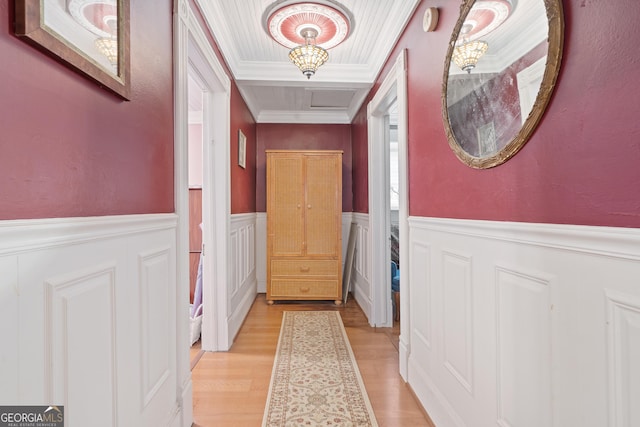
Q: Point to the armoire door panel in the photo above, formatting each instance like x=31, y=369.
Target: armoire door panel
x=323, y=178
x=287, y=191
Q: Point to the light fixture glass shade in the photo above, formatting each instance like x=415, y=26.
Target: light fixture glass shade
x=108, y=46
x=466, y=55
x=308, y=58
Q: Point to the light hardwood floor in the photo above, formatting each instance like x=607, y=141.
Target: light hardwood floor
x=230, y=388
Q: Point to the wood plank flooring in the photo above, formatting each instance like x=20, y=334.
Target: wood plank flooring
x=230, y=388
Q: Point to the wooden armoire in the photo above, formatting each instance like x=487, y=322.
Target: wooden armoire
x=304, y=225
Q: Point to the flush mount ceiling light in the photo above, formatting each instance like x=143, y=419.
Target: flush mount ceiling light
x=308, y=30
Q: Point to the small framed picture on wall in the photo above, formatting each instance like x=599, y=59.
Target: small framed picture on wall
x=242, y=149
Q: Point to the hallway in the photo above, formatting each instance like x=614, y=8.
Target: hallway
x=230, y=388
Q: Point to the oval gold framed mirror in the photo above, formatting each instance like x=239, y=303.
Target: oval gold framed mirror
x=501, y=67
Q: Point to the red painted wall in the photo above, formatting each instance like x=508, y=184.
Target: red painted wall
x=69, y=148
x=243, y=181
x=303, y=137
x=360, y=176
x=581, y=165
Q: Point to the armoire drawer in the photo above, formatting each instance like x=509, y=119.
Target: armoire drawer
x=301, y=289
x=312, y=267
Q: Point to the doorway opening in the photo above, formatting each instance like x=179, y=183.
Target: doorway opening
x=394, y=211
x=193, y=55
x=195, y=101
x=214, y=88
x=388, y=109
x=197, y=68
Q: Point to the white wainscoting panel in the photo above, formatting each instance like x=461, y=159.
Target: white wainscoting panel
x=234, y=272
x=522, y=325
x=9, y=317
x=458, y=318
x=261, y=251
x=524, y=350
x=80, y=319
x=88, y=307
x=347, y=219
x=154, y=305
x=362, y=291
x=420, y=304
x=624, y=358
x=242, y=286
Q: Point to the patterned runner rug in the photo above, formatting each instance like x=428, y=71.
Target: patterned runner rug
x=315, y=379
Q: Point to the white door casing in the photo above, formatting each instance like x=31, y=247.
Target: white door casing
x=393, y=88
x=192, y=50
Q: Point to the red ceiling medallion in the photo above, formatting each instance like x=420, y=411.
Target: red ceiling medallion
x=285, y=23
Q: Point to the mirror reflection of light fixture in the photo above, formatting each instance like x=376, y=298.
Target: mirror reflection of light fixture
x=108, y=46
x=308, y=57
x=467, y=54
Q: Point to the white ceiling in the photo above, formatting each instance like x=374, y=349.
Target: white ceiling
x=274, y=89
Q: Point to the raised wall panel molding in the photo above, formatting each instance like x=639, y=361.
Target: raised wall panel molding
x=261, y=251
x=458, y=317
x=155, y=309
x=362, y=246
x=523, y=350
x=363, y=249
x=623, y=324
x=362, y=292
x=251, y=247
x=243, y=246
x=347, y=219
x=9, y=318
x=421, y=304
x=80, y=344
x=234, y=271
x=243, y=267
